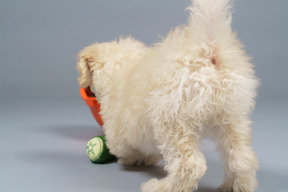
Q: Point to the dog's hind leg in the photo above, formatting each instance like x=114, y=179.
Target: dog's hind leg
x=184, y=161
x=240, y=161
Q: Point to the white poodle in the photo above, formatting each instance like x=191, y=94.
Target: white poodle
x=158, y=102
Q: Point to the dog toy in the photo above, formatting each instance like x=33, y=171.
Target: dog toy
x=97, y=150
x=90, y=99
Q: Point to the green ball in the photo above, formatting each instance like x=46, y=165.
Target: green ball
x=97, y=150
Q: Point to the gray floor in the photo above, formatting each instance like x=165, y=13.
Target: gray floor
x=43, y=149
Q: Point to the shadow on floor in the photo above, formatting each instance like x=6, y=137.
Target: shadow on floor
x=82, y=133
x=153, y=171
x=207, y=190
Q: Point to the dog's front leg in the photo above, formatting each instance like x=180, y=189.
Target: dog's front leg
x=184, y=162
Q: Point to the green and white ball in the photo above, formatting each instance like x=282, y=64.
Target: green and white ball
x=97, y=150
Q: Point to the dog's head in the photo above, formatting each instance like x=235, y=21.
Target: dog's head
x=88, y=64
x=101, y=63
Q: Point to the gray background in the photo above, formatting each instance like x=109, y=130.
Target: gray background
x=44, y=124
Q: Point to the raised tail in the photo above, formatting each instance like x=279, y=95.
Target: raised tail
x=210, y=20
x=209, y=25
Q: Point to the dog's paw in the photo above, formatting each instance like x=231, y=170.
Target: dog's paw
x=232, y=190
x=155, y=185
x=236, y=186
x=225, y=189
x=226, y=186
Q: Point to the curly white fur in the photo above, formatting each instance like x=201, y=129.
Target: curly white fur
x=159, y=101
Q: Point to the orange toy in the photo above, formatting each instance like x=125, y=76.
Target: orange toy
x=92, y=102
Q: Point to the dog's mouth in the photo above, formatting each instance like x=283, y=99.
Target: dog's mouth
x=89, y=92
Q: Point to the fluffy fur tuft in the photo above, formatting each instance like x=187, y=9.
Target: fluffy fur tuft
x=158, y=102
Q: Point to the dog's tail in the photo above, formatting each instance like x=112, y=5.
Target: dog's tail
x=210, y=23
x=210, y=20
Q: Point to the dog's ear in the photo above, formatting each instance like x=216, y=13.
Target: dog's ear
x=86, y=61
